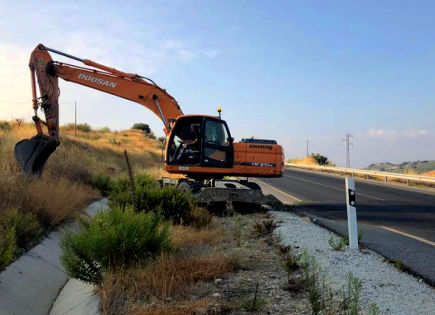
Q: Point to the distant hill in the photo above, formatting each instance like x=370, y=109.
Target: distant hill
x=416, y=167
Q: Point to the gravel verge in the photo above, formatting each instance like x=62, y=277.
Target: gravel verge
x=394, y=292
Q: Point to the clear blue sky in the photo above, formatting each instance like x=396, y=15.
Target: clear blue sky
x=287, y=70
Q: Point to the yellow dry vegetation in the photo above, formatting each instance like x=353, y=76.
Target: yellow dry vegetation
x=430, y=173
x=63, y=189
x=147, y=288
x=309, y=160
x=131, y=140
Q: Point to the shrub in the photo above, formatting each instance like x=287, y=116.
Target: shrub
x=82, y=127
x=351, y=295
x=373, y=309
x=25, y=224
x=114, y=141
x=104, y=129
x=337, y=243
x=7, y=245
x=322, y=160
x=121, y=194
x=237, y=229
x=103, y=183
x=319, y=296
x=112, y=239
x=199, y=218
x=264, y=227
x=141, y=126
x=5, y=126
x=176, y=205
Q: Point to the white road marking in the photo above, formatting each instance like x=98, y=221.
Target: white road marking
x=408, y=235
x=279, y=190
x=332, y=187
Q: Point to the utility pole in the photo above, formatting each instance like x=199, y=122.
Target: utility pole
x=75, y=119
x=348, y=143
x=307, y=147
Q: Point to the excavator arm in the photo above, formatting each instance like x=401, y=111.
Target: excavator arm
x=32, y=154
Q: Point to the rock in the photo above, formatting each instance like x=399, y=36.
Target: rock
x=272, y=201
x=217, y=280
x=216, y=295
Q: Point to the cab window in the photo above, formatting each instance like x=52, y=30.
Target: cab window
x=216, y=133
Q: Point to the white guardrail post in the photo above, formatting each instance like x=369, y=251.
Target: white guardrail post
x=351, y=213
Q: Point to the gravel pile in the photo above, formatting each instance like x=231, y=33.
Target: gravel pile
x=394, y=292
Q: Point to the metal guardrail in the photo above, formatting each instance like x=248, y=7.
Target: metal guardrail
x=352, y=172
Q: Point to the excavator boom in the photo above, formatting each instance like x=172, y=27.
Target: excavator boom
x=31, y=154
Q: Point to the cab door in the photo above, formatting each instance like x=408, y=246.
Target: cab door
x=217, y=144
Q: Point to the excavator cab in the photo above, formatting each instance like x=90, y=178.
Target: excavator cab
x=200, y=141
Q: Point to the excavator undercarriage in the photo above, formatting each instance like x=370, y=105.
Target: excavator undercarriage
x=218, y=194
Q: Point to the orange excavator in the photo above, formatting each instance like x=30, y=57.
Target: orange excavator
x=197, y=146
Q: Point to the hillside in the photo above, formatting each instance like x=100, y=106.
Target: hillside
x=30, y=206
x=309, y=160
x=416, y=167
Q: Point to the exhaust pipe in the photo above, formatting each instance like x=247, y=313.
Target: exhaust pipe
x=31, y=154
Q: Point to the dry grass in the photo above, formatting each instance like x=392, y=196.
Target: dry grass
x=163, y=286
x=131, y=140
x=63, y=188
x=264, y=227
x=201, y=306
x=309, y=160
x=188, y=237
x=430, y=173
x=168, y=276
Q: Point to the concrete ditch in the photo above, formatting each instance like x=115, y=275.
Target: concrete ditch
x=37, y=282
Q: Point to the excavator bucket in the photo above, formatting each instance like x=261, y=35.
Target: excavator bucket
x=31, y=154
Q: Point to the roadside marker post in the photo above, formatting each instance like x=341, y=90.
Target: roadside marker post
x=351, y=213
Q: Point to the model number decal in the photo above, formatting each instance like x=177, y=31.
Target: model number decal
x=259, y=164
x=262, y=164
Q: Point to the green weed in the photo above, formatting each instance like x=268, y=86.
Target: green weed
x=113, y=239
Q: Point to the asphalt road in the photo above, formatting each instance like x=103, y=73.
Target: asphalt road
x=396, y=221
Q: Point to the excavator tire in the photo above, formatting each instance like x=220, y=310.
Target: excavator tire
x=31, y=154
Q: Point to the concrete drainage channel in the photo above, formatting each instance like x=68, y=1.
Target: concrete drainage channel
x=37, y=283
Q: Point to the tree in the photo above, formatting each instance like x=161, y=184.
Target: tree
x=322, y=160
x=141, y=126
